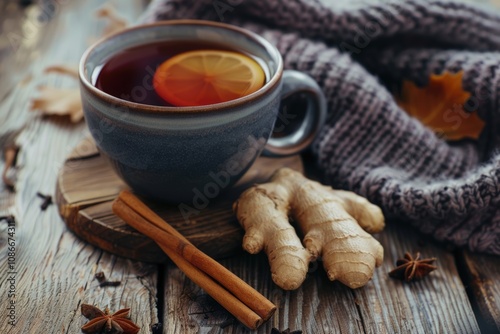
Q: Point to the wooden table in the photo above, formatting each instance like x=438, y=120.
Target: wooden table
x=52, y=271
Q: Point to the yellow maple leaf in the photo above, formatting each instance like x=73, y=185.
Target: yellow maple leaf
x=440, y=106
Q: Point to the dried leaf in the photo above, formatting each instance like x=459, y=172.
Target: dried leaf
x=115, y=21
x=47, y=200
x=440, y=106
x=59, y=101
x=10, y=154
x=65, y=101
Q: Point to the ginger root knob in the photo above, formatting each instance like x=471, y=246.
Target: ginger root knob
x=334, y=224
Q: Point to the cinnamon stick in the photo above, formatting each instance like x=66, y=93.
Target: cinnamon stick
x=244, y=292
x=245, y=303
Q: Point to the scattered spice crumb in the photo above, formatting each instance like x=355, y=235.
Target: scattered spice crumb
x=157, y=328
x=103, y=321
x=47, y=200
x=443, y=95
x=53, y=101
x=412, y=268
x=109, y=283
x=100, y=277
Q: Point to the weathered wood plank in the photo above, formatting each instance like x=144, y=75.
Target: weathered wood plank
x=318, y=306
x=482, y=277
x=52, y=269
x=437, y=304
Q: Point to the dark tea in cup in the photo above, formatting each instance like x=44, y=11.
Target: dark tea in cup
x=181, y=109
x=181, y=73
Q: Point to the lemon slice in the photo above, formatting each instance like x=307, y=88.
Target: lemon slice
x=203, y=77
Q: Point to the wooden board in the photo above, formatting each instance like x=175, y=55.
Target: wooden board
x=87, y=186
x=481, y=274
x=436, y=304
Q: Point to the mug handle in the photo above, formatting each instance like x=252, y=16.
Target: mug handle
x=297, y=82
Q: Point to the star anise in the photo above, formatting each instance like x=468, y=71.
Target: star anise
x=410, y=268
x=103, y=322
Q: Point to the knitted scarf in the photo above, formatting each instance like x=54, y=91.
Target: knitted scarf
x=368, y=144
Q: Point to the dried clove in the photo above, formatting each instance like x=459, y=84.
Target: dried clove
x=47, y=200
x=103, y=282
x=100, y=277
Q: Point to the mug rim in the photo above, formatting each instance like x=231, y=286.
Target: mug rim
x=213, y=108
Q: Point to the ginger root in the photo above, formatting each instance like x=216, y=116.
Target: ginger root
x=334, y=223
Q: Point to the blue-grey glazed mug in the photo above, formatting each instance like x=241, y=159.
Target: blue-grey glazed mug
x=184, y=154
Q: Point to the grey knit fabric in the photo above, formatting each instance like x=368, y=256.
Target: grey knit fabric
x=357, y=51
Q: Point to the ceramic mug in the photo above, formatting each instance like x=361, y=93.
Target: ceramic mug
x=174, y=154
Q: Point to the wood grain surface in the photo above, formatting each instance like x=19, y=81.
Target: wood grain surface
x=54, y=270
x=437, y=304
x=87, y=186
x=482, y=277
